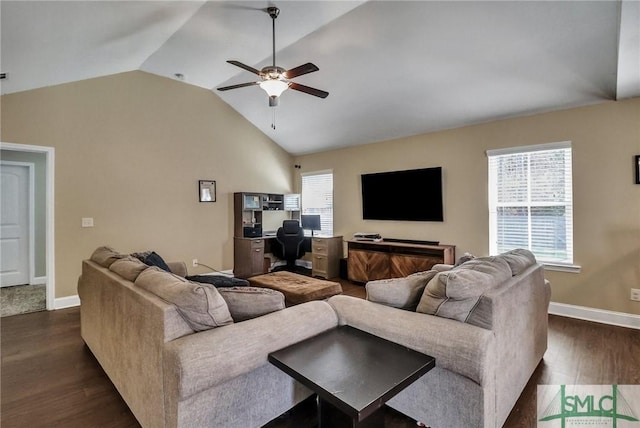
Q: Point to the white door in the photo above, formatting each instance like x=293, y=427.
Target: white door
x=14, y=225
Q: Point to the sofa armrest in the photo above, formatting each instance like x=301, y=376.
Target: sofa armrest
x=179, y=268
x=203, y=360
x=462, y=348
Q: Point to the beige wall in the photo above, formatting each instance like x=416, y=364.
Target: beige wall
x=129, y=151
x=606, y=201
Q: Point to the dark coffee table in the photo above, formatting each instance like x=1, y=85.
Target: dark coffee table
x=353, y=373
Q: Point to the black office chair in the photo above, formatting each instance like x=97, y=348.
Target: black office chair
x=290, y=238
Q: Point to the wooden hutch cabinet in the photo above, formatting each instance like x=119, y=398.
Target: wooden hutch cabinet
x=250, y=213
x=369, y=260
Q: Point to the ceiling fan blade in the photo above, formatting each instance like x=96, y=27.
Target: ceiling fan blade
x=300, y=70
x=245, y=66
x=308, y=90
x=240, y=85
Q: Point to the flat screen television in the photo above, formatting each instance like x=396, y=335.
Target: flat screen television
x=311, y=222
x=412, y=195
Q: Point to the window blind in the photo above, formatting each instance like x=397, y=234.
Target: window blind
x=317, y=198
x=530, y=201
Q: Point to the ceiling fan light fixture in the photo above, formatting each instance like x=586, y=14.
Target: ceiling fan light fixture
x=274, y=79
x=274, y=87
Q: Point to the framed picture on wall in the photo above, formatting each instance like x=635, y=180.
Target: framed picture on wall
x=637, y=169
x=207, y=190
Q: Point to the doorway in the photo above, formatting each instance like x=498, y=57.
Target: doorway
x=19, y=292
x=26, y=228
x=16, y=223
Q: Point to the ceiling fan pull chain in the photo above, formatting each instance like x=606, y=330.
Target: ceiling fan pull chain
x=273, y=120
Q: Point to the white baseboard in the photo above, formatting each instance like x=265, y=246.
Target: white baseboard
x=66, y=302
x=597, y=315
x=37, y=280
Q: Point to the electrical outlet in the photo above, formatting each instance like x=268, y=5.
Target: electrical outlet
x=87, y=221
x=194, y=262
x=635, y=294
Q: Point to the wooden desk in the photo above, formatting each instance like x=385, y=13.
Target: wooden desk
x=249, y=254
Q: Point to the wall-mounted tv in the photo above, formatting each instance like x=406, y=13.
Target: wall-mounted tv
x=413, y=195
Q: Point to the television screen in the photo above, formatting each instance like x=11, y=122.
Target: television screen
x=311, y=221
x=413, y=195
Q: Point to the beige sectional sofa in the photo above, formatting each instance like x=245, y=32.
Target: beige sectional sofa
x=485, y=322
x=173, y=376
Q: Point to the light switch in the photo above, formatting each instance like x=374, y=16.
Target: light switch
x=87, y=221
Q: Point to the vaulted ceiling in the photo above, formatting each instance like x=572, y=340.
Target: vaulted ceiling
x=392, y=68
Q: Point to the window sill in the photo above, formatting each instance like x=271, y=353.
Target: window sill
x=556, y=267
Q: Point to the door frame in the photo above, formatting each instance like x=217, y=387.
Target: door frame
x=31, y=214
x=49, y=153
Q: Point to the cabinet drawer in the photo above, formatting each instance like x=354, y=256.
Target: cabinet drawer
x=319, y=263
x=257, y=243
x=320, y=246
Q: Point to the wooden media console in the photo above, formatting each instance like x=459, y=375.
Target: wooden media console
x=370, y=260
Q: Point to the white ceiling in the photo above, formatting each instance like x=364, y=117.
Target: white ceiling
x=392, y=69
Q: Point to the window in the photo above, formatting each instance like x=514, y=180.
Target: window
x=530, y=201
x=317, y=198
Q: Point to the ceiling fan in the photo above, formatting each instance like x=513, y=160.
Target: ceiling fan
x=274, y=79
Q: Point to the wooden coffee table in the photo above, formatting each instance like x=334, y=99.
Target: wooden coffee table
x=353, y=373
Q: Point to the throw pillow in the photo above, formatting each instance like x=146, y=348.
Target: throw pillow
x=154, y=259
x=251, y=302
x=141, y=255
x=465, y=258
x=129, y=268
x=519, y=260
x=454, y=293
x=201, y=306
x=105, y=256
x=402, y=293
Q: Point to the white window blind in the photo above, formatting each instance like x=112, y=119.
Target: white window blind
x=530, y=201
x=317, y=198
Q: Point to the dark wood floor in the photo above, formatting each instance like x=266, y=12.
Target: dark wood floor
x=50, y=379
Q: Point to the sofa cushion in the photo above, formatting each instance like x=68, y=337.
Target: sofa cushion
x=200, y=305
x=129, y=268
x=105, y=256
x=251, y=302
x=454, y=293
x=518, y=260
x=402, y=293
